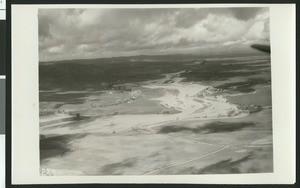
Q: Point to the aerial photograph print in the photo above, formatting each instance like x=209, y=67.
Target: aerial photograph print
x=154, y=91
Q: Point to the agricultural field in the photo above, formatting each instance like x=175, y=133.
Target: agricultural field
x=154, y=115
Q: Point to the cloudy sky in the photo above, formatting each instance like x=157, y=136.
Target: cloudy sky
x=93, y=33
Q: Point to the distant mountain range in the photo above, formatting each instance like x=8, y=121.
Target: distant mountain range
x=168, y=57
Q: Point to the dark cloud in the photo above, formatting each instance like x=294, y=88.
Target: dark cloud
x=245, y=13
x=44, y=27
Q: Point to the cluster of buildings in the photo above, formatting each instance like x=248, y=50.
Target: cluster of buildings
x=252, y=108
x=133, y=96
x=47, y=112
x=120, y=88
x=213, y=94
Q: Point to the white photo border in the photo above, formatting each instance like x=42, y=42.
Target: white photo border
x=25, y=103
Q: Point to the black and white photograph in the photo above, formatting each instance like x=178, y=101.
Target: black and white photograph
x=154, y=91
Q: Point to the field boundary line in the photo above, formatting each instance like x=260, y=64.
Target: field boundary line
x=184, y=162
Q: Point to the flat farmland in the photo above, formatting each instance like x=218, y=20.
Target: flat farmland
x=156, y=115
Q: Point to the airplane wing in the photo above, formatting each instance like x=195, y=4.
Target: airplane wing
x=261, y=47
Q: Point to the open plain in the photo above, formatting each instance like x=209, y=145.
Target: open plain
x=151, y=115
